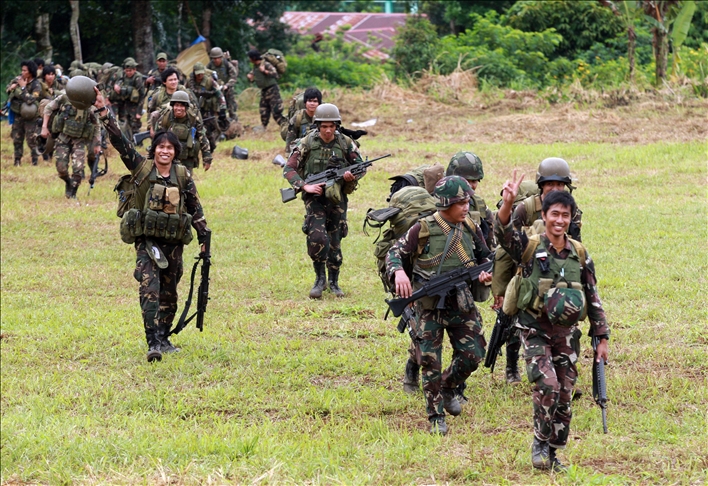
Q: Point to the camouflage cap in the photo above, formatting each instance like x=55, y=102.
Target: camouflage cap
x=129, y=62
x=450, y=190
x=467, y=165
x=162, y=56
x=198, y=68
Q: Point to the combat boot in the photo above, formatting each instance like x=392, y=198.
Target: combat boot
x=334, y=283
x=154, y=345
x=67, y=186
x=320, y=280
x=438, y=425
x=165, y=345
x=35, y=159
x=556, y=465
x=540, y=454
x=460, y=393
x=512, y=365
x=450, y=403
x=18, y=162
x=75, y=182
x=411, y=378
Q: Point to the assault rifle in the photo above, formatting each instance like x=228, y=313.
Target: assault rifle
x=441, y=286
x=500, y=335
x=599, y=385
x=96, y=172
x=202, y=292
x=139, y=137
x=329, y=176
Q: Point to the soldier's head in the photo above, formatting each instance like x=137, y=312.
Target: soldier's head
x=198, y=71
x=557, y=210
x=553, y=174
x=313, y=99
x=49, y=74
x=179, y=103
x=452, y=194
x=161, y=61
x=29, y=69
x=129, y=67
x=217, y=56
x=165, y=147
x=170, y=78
x=255, y=57
x=328, y=120
x=468, y=166
x=39, y=62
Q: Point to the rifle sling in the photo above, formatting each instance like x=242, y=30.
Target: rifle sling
x=183, y=321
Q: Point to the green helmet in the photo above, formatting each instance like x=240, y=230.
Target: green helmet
x=80, y=92
x=553, y=169
x=450, y=190
x=129, y=62
x=180, y=97
x=28, y=111
x=327, y=112
x=216, y=52
x=467, y=165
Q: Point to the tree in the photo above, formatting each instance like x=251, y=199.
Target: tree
x=453, y=16
x=416, y=46
x=629, y=13
x=141, y=11
x=44, y=44
x=74, y=29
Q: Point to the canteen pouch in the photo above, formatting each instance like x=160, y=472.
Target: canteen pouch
x=125, y=191
x=130, y=226
x=150, y=223
x=161, y=226
x=511, y=296
x=465, y=302
x=157, y=197
x=187, y=236
x=172, y=200
x=526, y=294
x=564, y=305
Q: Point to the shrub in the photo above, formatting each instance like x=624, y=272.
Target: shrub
x=417, y=44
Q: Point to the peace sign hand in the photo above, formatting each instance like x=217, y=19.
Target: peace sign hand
x=510, y=189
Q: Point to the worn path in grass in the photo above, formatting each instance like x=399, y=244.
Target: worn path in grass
x=279, y=388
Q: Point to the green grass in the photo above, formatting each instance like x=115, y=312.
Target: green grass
x=282, y=389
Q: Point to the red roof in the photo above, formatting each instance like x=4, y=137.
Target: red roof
x=374, y=30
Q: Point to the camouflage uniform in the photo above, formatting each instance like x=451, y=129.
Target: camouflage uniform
x=129, y=102
x=298, y=126
x=211, y=103
x=161, y=98
x=551, y=351
x=77, y=132
x=191, y=133
x=158, y=287
x=271, y=102
x=24, y=129
x=227, y=74
x=325, y=220
x=464, y=327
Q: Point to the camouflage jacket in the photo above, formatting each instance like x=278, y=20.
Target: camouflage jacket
x=61, y=104
x=200, y=142
x=227, y=72
x=265, y=79
x=522, y=218
x=30, y=94
x=209, y=99
x=52, y=91
x=132, y=160
x=127, y=88
x=514, y=243
x=297, y=128
x=160, y=98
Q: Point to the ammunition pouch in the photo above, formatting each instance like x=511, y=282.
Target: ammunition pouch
x=134, y=95
x=131, y=226
x=16, y=105
x=76, y=128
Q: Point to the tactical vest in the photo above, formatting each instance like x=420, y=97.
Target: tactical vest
x=33, y=86
x=560, y=273
x=206, y=103
x=222, y=72
x=480, y=209
x=302, y=123
x=72, y=122
x=261, y=80
x=185, y=129
x=317, y=154
x=157, y=207
x=133, y=96
x=533, y=206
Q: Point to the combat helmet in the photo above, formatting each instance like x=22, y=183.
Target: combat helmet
x=467, y=165
x=80, y=92
x=450, y=190
x=129, y=62
x=553, y=169
x=327, y=112
x=216, y=52
x=180, y=97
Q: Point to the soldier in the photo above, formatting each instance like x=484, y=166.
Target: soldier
x=39, y=62
x=108, y=76
x=77, y=130
x=265, y=76
x=559, y=276
x=227, y=75
x=163, y=95
x=303, y=119
x=25, y=92
x=210, y=101
x=182, y=118
x=51, y=85
x=326, y=210
x=154, y=77
x=553, y=174
x=165, y=193
x=425, y=246
x=128, y=97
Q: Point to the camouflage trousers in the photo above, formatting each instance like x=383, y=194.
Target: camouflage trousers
x=271, y=102
x=325, y=225
x=158, y=287
x=127, y=113
x=212, y=131
x=74, y=150
x=232, y=105
x=468, y=344
x=550, y=366
x=21, y=130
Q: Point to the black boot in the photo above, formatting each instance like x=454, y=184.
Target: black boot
x=165, y=345
x=460, y=393
x=555, y=463
x=34, y=158
x=67, y=186
x=334, y=283
x=75, y=182
x=512, y=364
x=411, y=378
x=154, y=345
x=438, y=425
x=450, y=403
x=320, y=280
x=18, y=162
x=540, y=454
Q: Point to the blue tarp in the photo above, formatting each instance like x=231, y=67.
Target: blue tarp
x=198, y=40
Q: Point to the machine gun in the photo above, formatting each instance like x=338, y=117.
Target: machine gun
x=139, y=137
x=599, y=385
x=500, y=335
x=202, y=292
x=96, y=172
x=441, y=286
x=329, y=176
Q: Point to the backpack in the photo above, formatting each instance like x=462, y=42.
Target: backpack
x=297, y=102
x=277, y=59
x=406, y=207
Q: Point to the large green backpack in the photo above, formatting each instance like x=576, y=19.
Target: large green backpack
x=406, y=207
x=277, y=59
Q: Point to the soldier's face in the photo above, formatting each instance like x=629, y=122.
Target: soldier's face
x=172, y=82
x=217, y=61
x=456, y=213
x=129, y=71
x=311, y=105
x=180, y=110
x=25, y=72
x=49, y=78
x=198, y=77
x=164, y=153
x=551, y=186
x=557, y=219
x=327, y=131
x=161, y=64
x=473, y=184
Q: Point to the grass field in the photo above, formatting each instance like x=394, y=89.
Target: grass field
x=282, y=389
